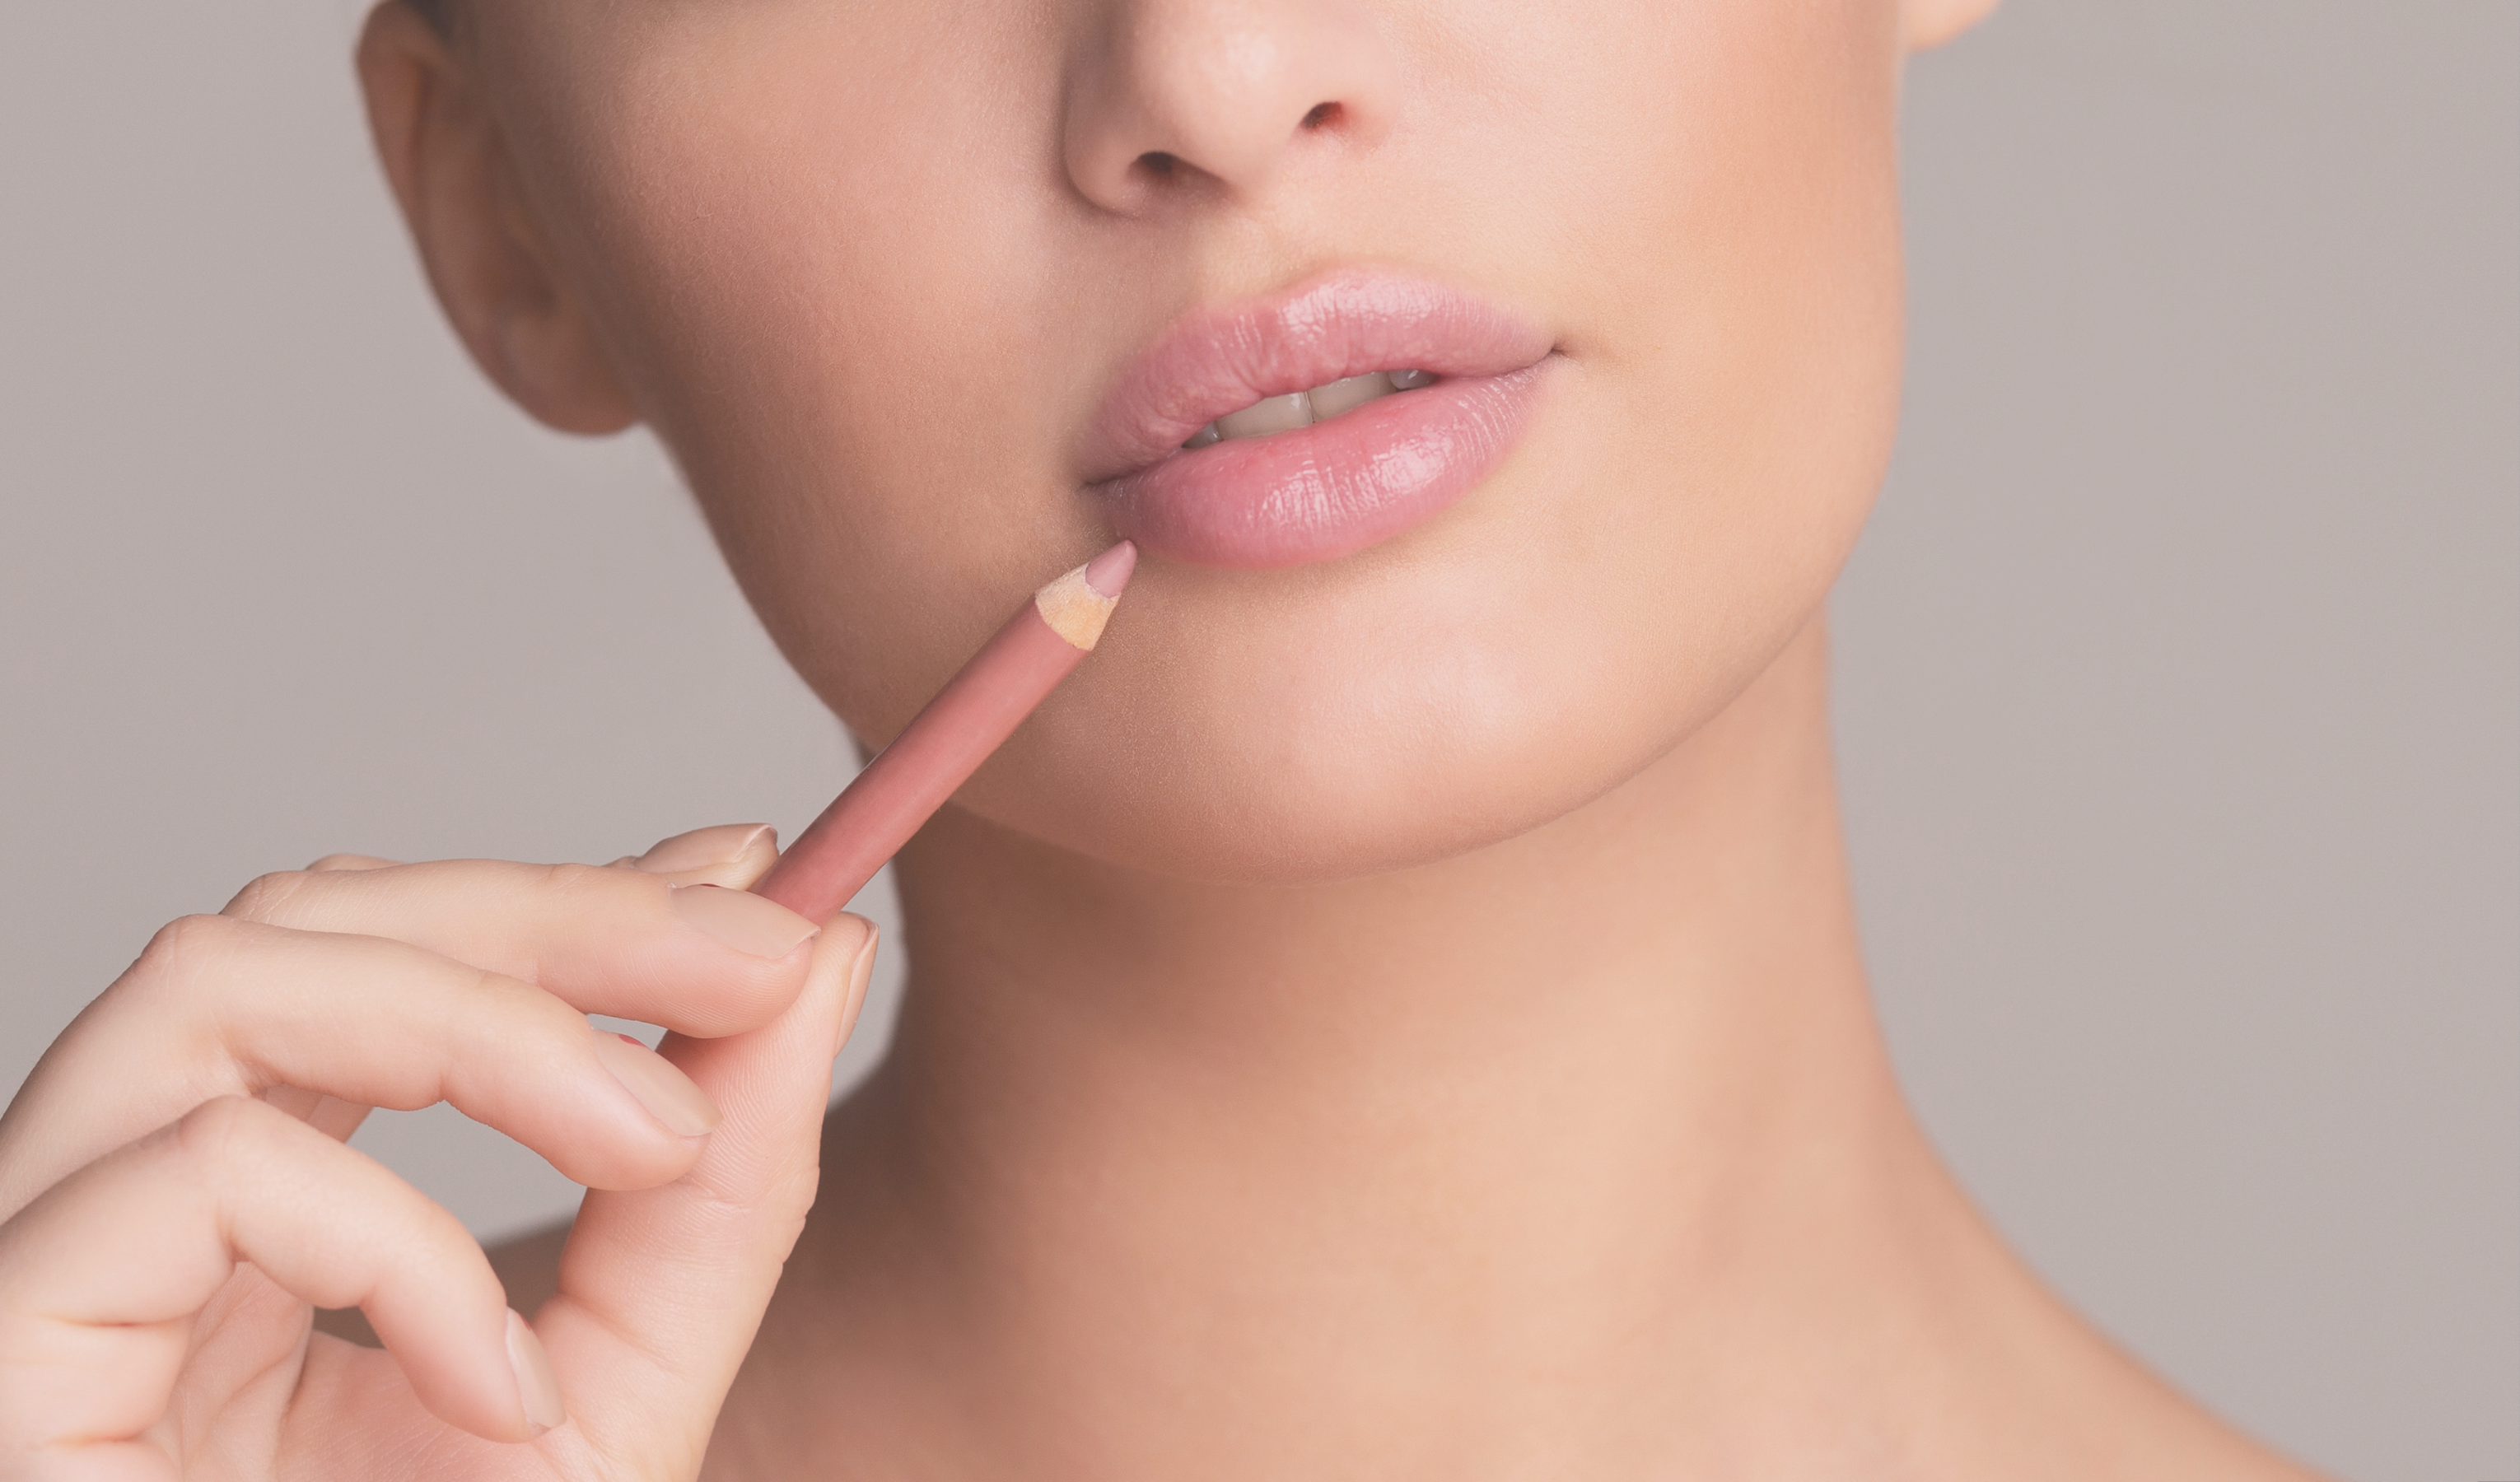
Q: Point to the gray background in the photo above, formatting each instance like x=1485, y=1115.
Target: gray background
x=2180, y=711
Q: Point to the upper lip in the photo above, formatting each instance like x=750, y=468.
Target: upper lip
x=1220, y=358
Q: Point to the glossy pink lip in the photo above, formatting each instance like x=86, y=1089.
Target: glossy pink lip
x=1337, y=486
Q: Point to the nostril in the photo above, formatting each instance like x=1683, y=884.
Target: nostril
x=1322, y=115
x=1158, y=163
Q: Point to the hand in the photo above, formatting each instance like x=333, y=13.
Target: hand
x=175, y=1197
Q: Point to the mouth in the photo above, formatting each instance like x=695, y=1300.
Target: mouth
x=1306, y=425
x=1273, y=415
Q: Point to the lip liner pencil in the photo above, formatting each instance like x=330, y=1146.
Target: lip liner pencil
x=980, y=706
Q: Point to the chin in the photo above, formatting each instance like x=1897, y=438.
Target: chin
x=1443, y=693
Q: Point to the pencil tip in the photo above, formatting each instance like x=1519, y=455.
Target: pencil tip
x=1108, y=572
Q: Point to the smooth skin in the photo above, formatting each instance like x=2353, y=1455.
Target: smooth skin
x=1394, y=1018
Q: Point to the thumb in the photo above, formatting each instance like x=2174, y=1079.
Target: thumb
x=662, y=1290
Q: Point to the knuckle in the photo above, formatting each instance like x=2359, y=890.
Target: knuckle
x=508, y=1005
x=182, y=946
x=492, y=1019
x=568, y=883
x=224, y=1130
x=791, y=1200
x=267, y=897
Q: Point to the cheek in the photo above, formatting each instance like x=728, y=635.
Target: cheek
x=1741, y=303
x=872, y=361
x=821, y=261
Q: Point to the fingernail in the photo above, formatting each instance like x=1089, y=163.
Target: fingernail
x=668, y=1095
x=861, y=973
x=742, y=921
x=703, y=847
x=862, y=968
x=536, y=1385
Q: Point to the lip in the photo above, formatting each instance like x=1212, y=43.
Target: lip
x=1323, y=491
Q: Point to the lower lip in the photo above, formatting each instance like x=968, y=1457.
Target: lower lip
x=1328, y=490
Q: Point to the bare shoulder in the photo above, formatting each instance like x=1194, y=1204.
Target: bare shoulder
x=2152, y=1431
x=2230, y=1457
x=2238, y=1458
x=2034, y=1389
x=527, y=1264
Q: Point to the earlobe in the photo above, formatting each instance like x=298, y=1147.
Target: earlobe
x=494, y=274
x=1931, y=22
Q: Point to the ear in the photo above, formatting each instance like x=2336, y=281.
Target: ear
x=494, y=273
x=1931, y=22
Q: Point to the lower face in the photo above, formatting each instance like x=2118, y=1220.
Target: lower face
x=839, y=258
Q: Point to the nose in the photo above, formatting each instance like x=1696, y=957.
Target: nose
x=1168, y=96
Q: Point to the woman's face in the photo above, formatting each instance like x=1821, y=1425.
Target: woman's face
x=874, y=271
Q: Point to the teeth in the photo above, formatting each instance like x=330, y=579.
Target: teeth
x=1275, y=414
x=1347, y=395
x=1301, y=409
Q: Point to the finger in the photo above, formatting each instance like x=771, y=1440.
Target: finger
x=661, y=1291
x=324, y=1026
x=330, y=1115
x=729, y=855
x=101, y=1277
x=698, y=959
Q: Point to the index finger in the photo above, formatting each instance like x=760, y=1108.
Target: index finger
x=701, y=960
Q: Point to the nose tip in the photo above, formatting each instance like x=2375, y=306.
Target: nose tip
x=1171, y=98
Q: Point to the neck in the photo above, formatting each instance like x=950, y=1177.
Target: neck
x=1499, y=1143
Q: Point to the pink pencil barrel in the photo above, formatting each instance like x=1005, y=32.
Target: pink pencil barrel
x=940, y=749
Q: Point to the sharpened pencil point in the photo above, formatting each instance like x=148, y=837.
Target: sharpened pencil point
x=946, y=741
x=1109, y=573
